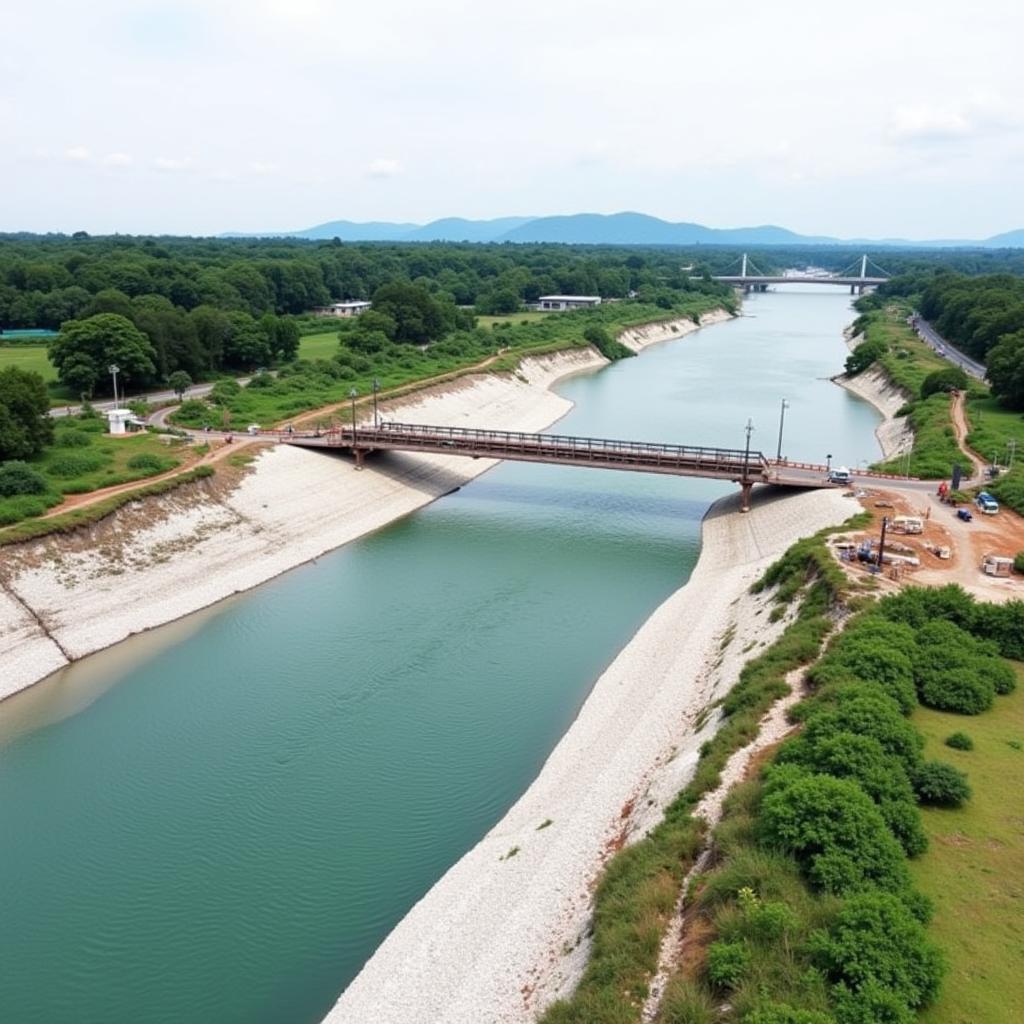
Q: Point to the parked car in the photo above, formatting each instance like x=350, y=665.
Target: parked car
x=965, y=514
x=987, y=503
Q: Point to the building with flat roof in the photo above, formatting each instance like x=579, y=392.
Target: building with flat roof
x=563, y=302
x=351, y=307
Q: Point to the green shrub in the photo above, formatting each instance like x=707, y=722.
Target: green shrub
x=941, y=784
x=951, y=379
x=863, y=355
x=24, y=506
x=1002, y=676
x=960, y=741
x=68, y=438
x=876, y=940
x=1018, y=562
x=20, y=478
x=65, y=467
x=726, y=963
x=956, y=689
x=149, y=462
x=866, y=711
x=834, y=830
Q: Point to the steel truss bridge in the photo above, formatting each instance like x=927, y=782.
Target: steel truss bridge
x=736, y=465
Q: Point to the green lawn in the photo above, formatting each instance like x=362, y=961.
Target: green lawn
x=974, y=867
x=84, y=459
x=28, y=357
x=319, y=346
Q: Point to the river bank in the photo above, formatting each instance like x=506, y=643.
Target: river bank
x=65, y=597
x=639, y=338
x=503, y=933
x=894, y=433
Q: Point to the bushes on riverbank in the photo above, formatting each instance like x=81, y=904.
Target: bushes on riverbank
x=823, y=834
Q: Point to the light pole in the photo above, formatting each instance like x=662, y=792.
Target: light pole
x=828, y=464
x=353, y=394
x=782, y=420
x=376, y=388
x=114, y=370
x=748, y=430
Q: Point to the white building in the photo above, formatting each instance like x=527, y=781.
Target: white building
x=563, y=302
x=123, y=421
x=352, y=307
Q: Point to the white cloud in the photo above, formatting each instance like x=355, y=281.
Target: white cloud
x=261, y=168
x=117, y=160
x=166, y=163
x=384, y=167
x=77, y=154
x=929, y=123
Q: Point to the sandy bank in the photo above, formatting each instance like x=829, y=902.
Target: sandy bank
x=153, y=562
x=894, y=434
x=638, y=338
x=500, y=936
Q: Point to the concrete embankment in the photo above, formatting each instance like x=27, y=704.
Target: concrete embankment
x=894, y=433
x=64, y=597
x=503, y=933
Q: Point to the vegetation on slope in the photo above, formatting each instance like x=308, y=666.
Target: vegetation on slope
x=812, y=915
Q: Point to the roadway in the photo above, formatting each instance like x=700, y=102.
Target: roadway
x=152, y=397
x=935, y=341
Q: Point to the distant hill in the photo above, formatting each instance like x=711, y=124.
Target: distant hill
x=626, y=228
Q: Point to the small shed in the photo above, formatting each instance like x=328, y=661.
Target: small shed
x=118, y=420
x=564, y=302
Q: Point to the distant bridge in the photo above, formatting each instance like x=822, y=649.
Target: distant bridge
x=757, y=281
x=737, y=465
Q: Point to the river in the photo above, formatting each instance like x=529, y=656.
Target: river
x=218, y=822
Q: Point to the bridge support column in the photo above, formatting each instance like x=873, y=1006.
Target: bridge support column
x=745, y=488
x=360, y=455
x=853, y=289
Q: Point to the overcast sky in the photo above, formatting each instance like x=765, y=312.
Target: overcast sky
x=900, y=118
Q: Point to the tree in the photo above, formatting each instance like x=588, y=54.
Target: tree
x=179, y=382
x=84, y=350
x=25, y=424
x=1006, y=369
x=950, y=379
x=863, y=355
x=246, y=345
x=418, y=318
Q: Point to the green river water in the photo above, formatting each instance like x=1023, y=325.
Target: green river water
x=218, y=822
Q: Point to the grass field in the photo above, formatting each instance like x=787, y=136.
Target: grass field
x=28, y=357
x=974, y=867
x=94, y=460
x=323, y=345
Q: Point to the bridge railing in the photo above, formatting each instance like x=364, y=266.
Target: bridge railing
x=410, y=436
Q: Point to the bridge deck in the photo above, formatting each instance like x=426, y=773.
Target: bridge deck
x=733, y=464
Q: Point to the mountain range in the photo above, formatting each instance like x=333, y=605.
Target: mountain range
x=601, y=229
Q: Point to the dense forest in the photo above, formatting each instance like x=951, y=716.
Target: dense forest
x=983, y=316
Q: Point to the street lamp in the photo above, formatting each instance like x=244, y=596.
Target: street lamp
x=782, y=420
x=748, y=430
x=114, y=370
x=828, y=464
x=376, y=388
x=353, y=394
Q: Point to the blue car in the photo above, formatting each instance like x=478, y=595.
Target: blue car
x=964, y=514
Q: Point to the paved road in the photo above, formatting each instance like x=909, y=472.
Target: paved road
x=155, y=397
x=932, y=338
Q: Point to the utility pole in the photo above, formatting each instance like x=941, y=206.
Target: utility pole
x=881, y=543
x=745, y=484
x=782, y=420
x=376, y=418
x=353, y=395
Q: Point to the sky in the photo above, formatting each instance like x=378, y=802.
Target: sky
x=870, y=119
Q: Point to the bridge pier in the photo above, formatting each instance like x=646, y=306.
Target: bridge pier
x=360, y=455
x=745, y=489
